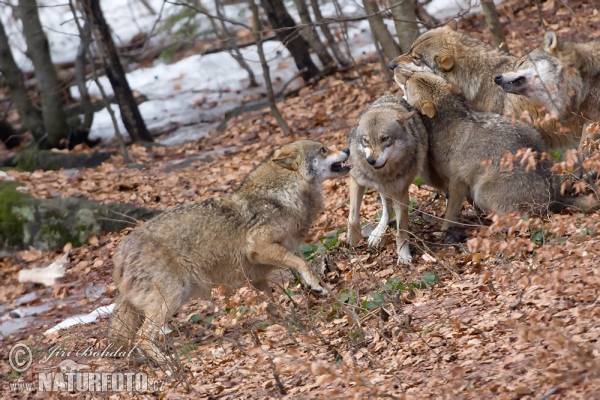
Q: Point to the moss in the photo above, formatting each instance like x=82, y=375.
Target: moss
x=11, y=223
x=26, y=160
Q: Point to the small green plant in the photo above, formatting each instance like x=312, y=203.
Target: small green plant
x=348, y=296
x=13, y=374
x=327, y=242
x=418, y=181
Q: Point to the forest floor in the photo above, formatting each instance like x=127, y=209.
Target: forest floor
x=509, y=313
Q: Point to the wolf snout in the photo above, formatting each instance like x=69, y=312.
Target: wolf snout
x=392, y=65
x=371, y=160
x=498, y=79
x=347, y=151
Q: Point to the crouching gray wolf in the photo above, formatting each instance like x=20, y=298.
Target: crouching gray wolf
x=471, y=65
x=387, y=148
x=241, y=237
x=561, y=76
x=467, y=148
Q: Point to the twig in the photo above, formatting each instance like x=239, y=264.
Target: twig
x=275, y=373
x=518, y=303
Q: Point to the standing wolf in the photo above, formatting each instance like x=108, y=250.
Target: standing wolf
x=471, y=65
x=467, y=148
x=564, y=77
x=387, y=148
x=187, y=251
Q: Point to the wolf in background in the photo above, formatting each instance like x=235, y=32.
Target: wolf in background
x=471, y=65
x=563, y=76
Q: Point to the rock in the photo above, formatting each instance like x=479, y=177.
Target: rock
x=50, y=224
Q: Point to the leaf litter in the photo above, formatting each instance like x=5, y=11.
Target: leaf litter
x=511, y=313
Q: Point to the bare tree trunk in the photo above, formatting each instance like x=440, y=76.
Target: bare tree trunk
x=148, y=7
x=30, y=116
x=38, y=49
x=405, y=19
x=384, y=66
x=493, y=23
x=86, y=38
x=340, y=16
x=280, y=19
x=335, y=49
x=381, y=32
x=266, y=72
x=130, y=113
x=230, y=43
x=312, y=37
x=80, y=63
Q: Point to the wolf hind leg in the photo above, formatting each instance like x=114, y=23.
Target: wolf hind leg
x=124, y=324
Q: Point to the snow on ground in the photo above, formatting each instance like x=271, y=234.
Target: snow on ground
x=195, y=92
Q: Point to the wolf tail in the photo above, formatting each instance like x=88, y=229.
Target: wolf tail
x=587, y=204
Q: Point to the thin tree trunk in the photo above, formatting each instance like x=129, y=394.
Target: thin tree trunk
x=384, y=67
x=280, y=19
x=312, y=37
x=38, y=49
x=230, y=43
x=340, y=16
x=266, y=72
x=405, y=19
x=80, y=63
x=86, y=39
x=13, y=76
x=130, y=113
x=335, y=49
x=493, y=22
x=390, y=48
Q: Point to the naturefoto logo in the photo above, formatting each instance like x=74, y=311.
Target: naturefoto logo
x=69, y=375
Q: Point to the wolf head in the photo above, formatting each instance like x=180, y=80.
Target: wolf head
x=378, y=137
x=312, y=160
x=537, y=75
x=425, y=91
x=431, y=52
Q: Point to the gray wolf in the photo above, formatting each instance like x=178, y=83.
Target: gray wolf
x=187, y=251
x=471, y=65
x=388, y=148
x=467, y=149
x=563, y=76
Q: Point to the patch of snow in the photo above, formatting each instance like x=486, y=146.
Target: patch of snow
x=82, y=318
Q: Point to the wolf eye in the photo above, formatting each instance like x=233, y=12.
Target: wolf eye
x=385, y=139
x=323, y=151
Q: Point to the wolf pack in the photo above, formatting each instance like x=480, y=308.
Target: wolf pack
x=465, y=107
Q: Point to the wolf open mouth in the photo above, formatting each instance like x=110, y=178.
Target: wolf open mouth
x=514, y=85
x=341, y=166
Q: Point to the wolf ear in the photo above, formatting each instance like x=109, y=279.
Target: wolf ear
x=451, y=25
x=550, y=42
x=287, y=159
x=428, y=109
x=453, y=89
x=445, y=62
x=404, y=116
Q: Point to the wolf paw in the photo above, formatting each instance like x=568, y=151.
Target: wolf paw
x=318, y=289
x=404, y=259
x=375, y=236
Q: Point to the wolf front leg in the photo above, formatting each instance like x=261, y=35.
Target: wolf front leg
x=277, y=255
x=357, y=191
x=402, y=246
x=375, y=236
